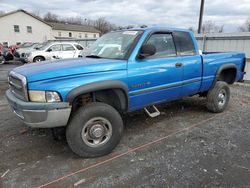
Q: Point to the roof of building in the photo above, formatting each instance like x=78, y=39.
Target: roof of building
x=21, y=10
x=73, y=27
x=58, y=26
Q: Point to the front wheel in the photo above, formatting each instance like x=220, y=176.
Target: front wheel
x=94, y=130
x=39, y=58
x=218, y=97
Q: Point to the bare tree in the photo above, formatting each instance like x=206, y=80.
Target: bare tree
x=36, y=13
x=103, y=25
x=245, y=27
x=210, y=27
x=50, y=17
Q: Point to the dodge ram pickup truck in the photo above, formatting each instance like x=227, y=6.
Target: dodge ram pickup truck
x=123, y=71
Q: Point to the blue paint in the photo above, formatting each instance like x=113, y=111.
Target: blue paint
x=149, y=81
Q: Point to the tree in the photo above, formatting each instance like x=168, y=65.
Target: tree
x=103, y=25
x=210, y=27
x=50, y=17
x=245, y=27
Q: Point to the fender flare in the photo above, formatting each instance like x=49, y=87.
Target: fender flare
x=222, y=68
x=98, y=86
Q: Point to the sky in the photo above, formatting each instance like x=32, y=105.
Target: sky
x=173, y=13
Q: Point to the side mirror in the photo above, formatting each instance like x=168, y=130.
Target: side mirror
x=49, y=50
x=147, y=50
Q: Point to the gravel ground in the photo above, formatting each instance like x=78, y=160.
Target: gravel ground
x=185, y=146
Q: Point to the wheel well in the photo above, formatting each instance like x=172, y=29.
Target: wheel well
x=113, y=97
x=37, y=57
x=227, y=75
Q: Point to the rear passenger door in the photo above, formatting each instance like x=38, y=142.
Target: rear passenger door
x=68, y=51
x=191, y=63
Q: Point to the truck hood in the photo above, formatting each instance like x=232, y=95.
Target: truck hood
x=70, y=67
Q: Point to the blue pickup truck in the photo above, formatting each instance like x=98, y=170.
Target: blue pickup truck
x=123, y=71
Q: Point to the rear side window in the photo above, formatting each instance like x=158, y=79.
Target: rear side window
x=68, y=47
x=184, y=43
x=164, y=45
x=78, y=47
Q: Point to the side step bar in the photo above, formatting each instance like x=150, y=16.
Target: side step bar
x=155, y=112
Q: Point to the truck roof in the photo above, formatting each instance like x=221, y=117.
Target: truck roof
x=157, y=28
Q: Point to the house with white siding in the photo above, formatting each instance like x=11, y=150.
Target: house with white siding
x=20, y=26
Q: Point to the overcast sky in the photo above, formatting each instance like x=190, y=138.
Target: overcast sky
x=182, y=13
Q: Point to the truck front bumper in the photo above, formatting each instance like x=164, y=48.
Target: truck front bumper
x=40, y=115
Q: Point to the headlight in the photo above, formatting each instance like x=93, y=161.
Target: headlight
x=27, y=54
x=44, y=96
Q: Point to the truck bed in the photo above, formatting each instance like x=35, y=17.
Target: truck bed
x=212, y=61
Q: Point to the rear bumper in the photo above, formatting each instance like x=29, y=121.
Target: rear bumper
x=40, y=115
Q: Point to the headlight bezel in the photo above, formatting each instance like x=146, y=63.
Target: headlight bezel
x=44, y=96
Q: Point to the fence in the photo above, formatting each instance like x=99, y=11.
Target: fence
x=226, y=42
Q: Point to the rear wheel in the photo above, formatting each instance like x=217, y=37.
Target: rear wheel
x=218, y=97
x=94, y=130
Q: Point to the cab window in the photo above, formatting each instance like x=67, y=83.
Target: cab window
x=184, y=43
x=164, y=45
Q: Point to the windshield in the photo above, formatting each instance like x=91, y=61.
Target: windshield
x=114, y=45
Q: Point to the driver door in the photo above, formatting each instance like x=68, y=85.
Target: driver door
x=158, y=77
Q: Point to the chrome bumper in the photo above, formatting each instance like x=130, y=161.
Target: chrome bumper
x=40, y=115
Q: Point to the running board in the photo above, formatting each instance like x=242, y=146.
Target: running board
x=153, y=114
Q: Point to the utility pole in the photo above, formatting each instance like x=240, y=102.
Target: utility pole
x=201, y=15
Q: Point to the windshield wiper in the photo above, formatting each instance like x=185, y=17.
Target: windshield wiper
x=93, y=56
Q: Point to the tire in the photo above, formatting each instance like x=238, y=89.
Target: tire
x=38, y=58
x=94, y=130
x=218, y=97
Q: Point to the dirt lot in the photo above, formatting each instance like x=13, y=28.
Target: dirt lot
x=185, y=147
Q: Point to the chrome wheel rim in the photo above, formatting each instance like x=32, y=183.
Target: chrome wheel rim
x=96, y=132
x=222, y=97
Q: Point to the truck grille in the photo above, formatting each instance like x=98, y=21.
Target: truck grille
x=18, y=85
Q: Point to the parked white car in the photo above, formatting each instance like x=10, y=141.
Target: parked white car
x=55, y=50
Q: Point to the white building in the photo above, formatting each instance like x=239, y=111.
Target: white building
x=68, y=31
x=20, y=26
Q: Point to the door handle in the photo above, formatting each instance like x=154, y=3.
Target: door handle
x=178, y=65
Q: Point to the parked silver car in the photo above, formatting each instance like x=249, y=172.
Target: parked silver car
x=55, y=50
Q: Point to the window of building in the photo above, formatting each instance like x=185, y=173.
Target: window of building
x=16, y=28
x=164, y=45
x=86, y=35
x=184, y=43
x=59, y=34
x=94, y=35
x=68, y=47
x=80, y=35
x=70, y=34
x=29, y=29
